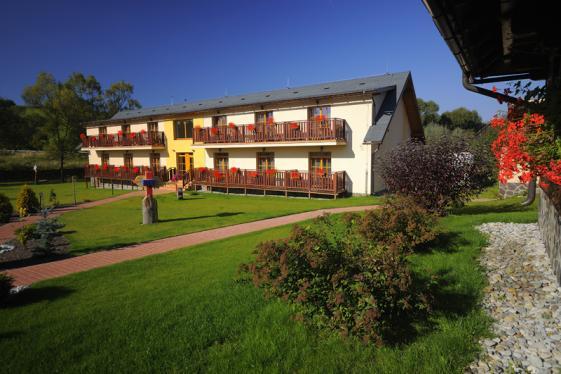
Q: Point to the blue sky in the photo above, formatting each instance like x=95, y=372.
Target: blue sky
x=177, y=50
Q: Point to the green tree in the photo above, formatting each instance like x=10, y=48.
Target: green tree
x=429, y=111
x=461, y=118
x=66, y=106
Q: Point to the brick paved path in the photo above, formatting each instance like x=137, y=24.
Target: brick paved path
x=31, y=274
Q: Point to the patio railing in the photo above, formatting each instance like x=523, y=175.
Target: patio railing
x=156, y=139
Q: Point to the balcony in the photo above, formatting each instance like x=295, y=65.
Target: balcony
x=121, y=173
x=330, y=130
x=140, y=139
x=286, y=181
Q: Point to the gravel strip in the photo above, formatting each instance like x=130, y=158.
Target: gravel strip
x=524, y=300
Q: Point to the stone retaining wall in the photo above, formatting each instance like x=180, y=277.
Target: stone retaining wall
x=549, y=221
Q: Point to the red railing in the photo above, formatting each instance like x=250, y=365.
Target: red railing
x=274, y=180
x=291, y=131
x=121, y=173
x=132, y=139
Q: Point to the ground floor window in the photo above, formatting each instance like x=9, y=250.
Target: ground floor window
x=104, y=158
x=155, y=161
x=184, y=162
x=265, y=161
x=127, y=160
x=320, y=163
x=221, y=162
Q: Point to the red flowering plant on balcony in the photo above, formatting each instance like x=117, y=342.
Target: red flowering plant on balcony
x=234, y=170
x=252, y=174
x=270, y=121
x=83, y=136
x=142, y=132
x=319, y=118
x=120, y=133
x=271, y=171
x=203, y=169
x=136, y=170
x=294, y=126
x=320, y=172
x=96, y=167
x=124, y=168
x=105, y=167
x=217, y=174
x=214, y=130
x=116, y=169
x=132, y=135
x=232, y=125
x=251, y=127
x=294, y=174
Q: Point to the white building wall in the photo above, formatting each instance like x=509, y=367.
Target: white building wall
x=286, y=115
x=398, y=131
x=240, y=119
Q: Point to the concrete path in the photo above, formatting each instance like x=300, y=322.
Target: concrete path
x=31, y=274
x=8, y=230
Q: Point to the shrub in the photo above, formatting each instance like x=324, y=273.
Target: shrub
x=358, y=287
x=400, y=222
x=6, y=208
x=40, y=236
x=25, y=233
x=447, y=171
x=6, y=284
x=26, y=201
x=53, y=198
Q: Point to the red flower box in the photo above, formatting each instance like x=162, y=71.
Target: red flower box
x=143, y=131
x=252, y=174
x=124, y=168
x=232, y=125
x=136, y=170
x=294, y=175
x=294, y=126
x=120, y=133
x=271, y=171
x=93, y=138
x=132, y=135
x=203, y=169
x=251, y=127
x=83, y=136
x=234, y=170
x=116, y=169
x=214, y=130
x=96, y=166
x=217, y=174
x=105, y=167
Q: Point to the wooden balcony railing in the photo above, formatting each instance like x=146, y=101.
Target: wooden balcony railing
x=132, y=139
x=292, y=131
x=121, y=173
x=272, y=180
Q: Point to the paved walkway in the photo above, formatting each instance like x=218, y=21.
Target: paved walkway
x=31, y=274
x=8, y=230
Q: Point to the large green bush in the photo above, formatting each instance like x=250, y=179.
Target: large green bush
x=6, y=284
x=342, y=279
x=26, y=202
x=6, y=208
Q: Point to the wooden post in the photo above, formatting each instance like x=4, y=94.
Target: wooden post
x=74, y=188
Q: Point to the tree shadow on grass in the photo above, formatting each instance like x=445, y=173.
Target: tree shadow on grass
x=488, y=208
x=35, y=295
x=224, y=214
x=445, y=242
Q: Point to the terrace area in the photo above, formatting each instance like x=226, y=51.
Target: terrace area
x=287, y=181
x=121, y=173
x=325, y=130
x=153, y=139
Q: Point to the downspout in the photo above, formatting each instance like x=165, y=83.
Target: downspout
x=509, y=99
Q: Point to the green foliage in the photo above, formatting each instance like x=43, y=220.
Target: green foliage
x=25, y=234
x=343, y=280
x=6, y=208
x=461, y=118
x=429, y=111
x=400, y=222
x=6, y=284
x=52, y=198
x=26, y=202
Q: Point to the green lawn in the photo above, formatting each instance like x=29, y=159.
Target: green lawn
x=183, y=312
x=64, y=192
x=120, y=223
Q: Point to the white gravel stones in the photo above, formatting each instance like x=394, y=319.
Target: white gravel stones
x=524, y=300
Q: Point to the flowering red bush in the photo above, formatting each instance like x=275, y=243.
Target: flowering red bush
x=217, y=174
x=232, y=125
x=234, y=170
x=132, y=135
x=526, y=147
x=105, y=167
x=294, y=175
x=116, y=169
x=120, y=133
x=271, y=171
x=251, y=127
x=136, y=170
x=214, y=130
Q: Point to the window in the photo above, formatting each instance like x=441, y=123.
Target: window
x=264, y=117
x=221, y=162
x=219, y=121
x=324, y=111
x=155, y=161
x=183, y=129
x=265, y=161
x=103, y=130
x=126, y=129
x=104, y=158
x=127, y=160
x=152, y=127
x=320, y=163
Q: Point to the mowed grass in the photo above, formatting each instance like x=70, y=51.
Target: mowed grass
x=183, y=311
x=120, y=223
x=64, y=192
